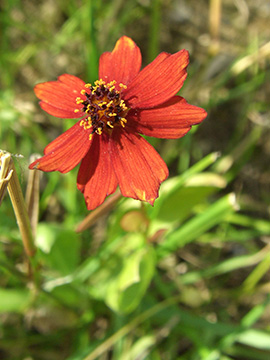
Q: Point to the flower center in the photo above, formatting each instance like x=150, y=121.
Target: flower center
x=104, y=107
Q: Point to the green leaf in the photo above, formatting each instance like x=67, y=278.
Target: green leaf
x=59, y=247
x=256, y=338
x=14, y=300
x=126, y=292
x=198, y=225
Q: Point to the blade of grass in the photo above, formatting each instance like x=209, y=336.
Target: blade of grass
x=226, y=266
x=90, y=40
x=133, y=324
x=153, y=48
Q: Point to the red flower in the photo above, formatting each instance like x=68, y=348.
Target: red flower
x=124, y=103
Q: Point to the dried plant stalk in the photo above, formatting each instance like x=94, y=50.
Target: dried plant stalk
x=32, y=195
x=214, y=24
x=15, y=193
x=5, y=174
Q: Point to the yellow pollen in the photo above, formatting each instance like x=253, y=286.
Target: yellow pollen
x=122, y=122
x=103, y=107
x=103, y=103
x=79, y=101
x=110, y=124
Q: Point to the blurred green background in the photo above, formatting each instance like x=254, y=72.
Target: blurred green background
x=185, y=279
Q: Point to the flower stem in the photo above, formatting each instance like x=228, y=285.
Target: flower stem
x=97, y=213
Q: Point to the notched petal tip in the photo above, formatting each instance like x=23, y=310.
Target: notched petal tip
x=124, y=41
x=141, y=195
x=122, y=64
x=34, y=165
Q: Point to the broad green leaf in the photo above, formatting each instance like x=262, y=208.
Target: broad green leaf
x=178, y=205
x=59, y=247
x=172, y=185
x=198, y=225
x=108, y=264
x=126, y=292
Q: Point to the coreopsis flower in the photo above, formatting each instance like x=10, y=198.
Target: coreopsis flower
x=112, y=113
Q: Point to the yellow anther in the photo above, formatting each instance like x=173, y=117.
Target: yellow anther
x=102, y=103
x=113, y=82
x=99, y=82
x=110, y=124
x=98, y=105
x=88, y=124
x=79, y=100
x=123, y=122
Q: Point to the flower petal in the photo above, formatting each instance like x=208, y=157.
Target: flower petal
x=122, y=64
x=96, y=177
x=138, y=167
x=65, y=152
x=61, y=113
x=171, y=120
x=59, y=97
x=158, y=81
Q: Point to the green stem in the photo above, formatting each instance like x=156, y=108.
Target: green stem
x=90, y=42
x=153, y=48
